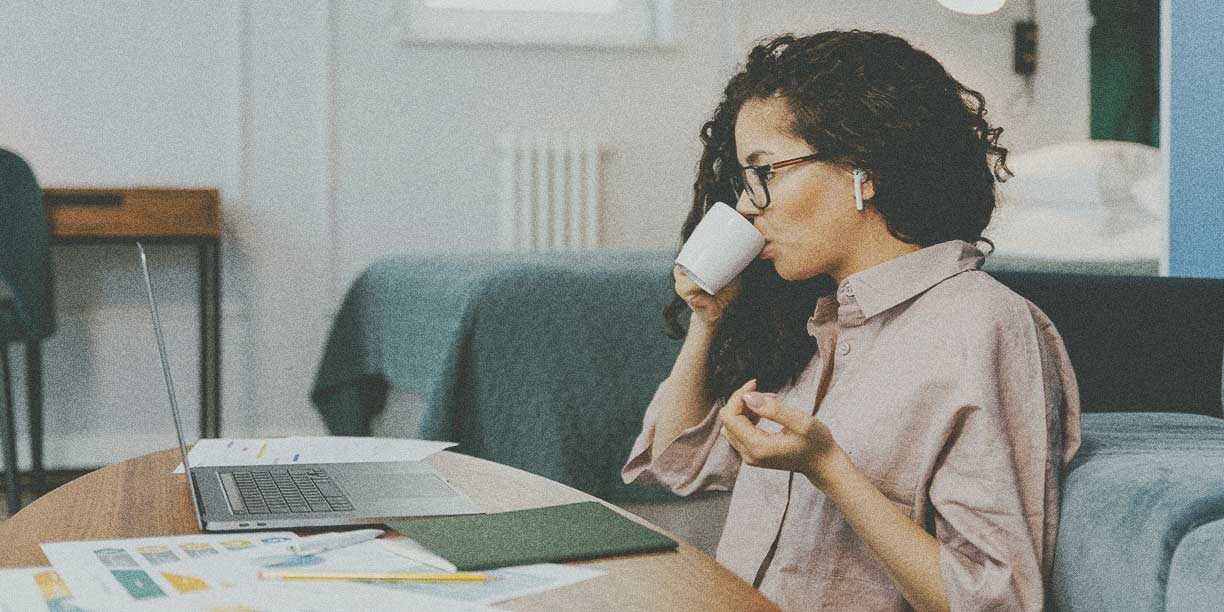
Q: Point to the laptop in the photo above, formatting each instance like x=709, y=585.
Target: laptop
x=291, y=496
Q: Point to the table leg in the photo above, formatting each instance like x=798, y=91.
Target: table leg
x=210, y=338
x=34, y=397
x=8, y=431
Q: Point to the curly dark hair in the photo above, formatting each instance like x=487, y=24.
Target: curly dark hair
x=867, y=100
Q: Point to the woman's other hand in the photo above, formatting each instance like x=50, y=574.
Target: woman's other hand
x=709, y=309
x=804, y=444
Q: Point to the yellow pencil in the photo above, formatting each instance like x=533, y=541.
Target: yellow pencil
x=376, y=576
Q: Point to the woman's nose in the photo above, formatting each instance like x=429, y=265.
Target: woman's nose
x=745, y=207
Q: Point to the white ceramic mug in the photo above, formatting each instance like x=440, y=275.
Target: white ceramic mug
x=721, y=246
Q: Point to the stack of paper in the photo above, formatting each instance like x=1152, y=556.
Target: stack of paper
x=42, y=589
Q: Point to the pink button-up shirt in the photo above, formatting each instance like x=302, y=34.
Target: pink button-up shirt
x=952, y=393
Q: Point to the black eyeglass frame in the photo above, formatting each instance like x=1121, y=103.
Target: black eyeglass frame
x=764, y=172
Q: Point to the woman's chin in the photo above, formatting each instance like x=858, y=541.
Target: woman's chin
x=782, y=271
x=791, y=273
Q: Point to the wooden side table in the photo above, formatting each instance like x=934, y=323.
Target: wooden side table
x=153, y=214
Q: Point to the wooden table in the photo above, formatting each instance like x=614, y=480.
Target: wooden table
x=153, y=214
x=140, y=497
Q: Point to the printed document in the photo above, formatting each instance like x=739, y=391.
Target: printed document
x=41, y=589
x=140, y=569
x=373, y=556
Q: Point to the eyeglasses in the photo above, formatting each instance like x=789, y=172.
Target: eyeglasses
x=754, y=179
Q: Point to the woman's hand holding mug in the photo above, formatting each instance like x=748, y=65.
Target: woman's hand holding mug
x=709, y=309
x=707, y=271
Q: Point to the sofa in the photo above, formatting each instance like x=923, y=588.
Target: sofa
x=546, y=362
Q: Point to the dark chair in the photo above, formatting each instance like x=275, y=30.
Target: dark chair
x=26, y=315
x=1137, y=343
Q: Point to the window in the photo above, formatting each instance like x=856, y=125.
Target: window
x=553, y=6
x=581, y=23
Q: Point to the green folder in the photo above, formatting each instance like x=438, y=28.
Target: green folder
x=585, y=530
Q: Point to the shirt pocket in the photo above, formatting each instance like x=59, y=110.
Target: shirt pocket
x=854, y=561
x=841, y=595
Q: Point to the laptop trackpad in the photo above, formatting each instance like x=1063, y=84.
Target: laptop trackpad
x=400, y=494
x=400, y=486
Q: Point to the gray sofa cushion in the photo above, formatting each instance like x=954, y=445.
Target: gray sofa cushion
x=1140, y=488
x=1194, y=577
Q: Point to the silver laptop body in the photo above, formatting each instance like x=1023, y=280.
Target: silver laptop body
x=289, y=496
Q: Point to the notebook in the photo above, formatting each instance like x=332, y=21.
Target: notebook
x=570, y=532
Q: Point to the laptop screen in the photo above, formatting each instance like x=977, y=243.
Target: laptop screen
x=165, y=364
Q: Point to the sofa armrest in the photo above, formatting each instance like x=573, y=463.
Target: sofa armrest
x=1141, y=485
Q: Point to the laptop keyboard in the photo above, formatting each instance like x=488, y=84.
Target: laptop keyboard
x=283, y=491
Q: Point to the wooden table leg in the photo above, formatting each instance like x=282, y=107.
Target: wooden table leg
x=34, y=397
x=8, y=432
x=210, y=338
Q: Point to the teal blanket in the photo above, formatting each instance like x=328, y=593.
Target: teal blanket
x=542, y=362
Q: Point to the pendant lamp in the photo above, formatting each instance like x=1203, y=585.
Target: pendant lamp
x=973, y=7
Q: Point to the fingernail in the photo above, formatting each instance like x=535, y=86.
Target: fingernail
x=753, y=399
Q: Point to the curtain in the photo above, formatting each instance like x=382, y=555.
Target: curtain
x=1125, y=70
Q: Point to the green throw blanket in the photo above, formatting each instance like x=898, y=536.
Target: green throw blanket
x=541, y=362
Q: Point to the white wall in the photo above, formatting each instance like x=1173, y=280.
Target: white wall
x=333, y=144
x=977, y=50
x=116, y=94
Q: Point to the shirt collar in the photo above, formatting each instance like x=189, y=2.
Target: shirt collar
x=869, y=292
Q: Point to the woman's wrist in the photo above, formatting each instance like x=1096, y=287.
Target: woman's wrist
x=829, y=467
x=702, y=330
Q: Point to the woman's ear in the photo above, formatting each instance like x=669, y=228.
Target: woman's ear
x=864, y=189
x=868, y=186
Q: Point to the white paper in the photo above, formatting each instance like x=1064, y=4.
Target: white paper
x=34, y=589
x=507, y=583
x=147, y=569
x=412, y=550
x=308, y=449
x=373, y=556
x=308, y=597
x=40, y=589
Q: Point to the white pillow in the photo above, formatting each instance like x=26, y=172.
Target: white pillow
x=1080, y=174
x=1058, y=233
x=1152, y=192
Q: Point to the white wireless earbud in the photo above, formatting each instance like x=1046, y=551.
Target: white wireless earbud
x=858, y=190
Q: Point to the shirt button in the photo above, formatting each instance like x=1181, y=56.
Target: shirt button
x=843, y=348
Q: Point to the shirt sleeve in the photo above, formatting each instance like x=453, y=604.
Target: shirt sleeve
x=699, y=459
x=995, y=488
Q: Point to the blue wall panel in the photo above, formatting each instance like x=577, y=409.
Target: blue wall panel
x=1196, y=181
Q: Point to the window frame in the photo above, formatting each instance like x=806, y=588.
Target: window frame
x=636, y=24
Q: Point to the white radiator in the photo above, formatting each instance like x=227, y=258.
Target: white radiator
x=550, y=191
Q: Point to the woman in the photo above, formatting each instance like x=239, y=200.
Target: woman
x=894, y=421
